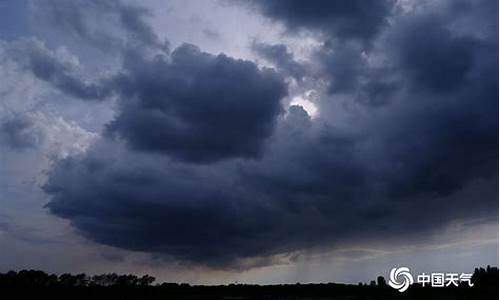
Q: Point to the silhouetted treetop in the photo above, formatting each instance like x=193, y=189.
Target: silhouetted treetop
x=35, y=278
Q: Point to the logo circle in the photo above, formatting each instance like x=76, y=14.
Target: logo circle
x=400, y=278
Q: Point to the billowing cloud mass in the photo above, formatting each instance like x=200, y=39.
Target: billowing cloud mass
x=197, y=107
x=204, y=162
x=107, y=25
x=49, y=67
x=18, y=133
x=281, y=57
x=354, y=20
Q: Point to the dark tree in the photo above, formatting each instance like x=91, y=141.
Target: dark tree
x=381, y=281
x=146, y=280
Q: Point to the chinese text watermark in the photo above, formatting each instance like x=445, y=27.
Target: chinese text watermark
x=401, y=279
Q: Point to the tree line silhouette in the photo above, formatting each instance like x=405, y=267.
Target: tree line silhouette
x=485, y=277
x=36, y=278
x=35, y=283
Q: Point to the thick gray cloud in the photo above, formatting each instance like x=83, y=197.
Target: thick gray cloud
x=442, y=62
x=58, y=68
x=281, y=57
x=19, y=133
x=343, y=65
x=196, y=106
x=107, y=25
x=359, y=20
x=46, y=66
x=214, y=214
x=314, y=188
x=192, y=105
x=349, y=30
x=399, y=169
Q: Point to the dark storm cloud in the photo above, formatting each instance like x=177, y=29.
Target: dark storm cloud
x=197, y=107
x=312, y=189
x=446, y=133
x=349, y=29
x=212, y=215
x=439, y=64
x=345, y=68
x=192, y=105
x=378, y=91
x=108, y=25
x=46, y=66
x=198, y=214
x=436, y=148
x=19, y=133
x=281, y=58
x=423, y=153
x=93, y=22
x=343, y=65
x=72, y=17
x=356, y=19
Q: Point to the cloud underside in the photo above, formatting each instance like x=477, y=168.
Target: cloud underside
x=205, y=163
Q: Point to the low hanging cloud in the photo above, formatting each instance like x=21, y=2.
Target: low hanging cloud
x=58, y=68
x=46, y=66
x=281, y=57
x=208, y=107
x=313, y=189
x=359, y=20
x=201, y=165
x=197, y=107
x=440, y=64
x=19, y=133
x=107, y=25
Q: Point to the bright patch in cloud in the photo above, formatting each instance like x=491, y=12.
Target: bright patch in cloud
x=307, y=104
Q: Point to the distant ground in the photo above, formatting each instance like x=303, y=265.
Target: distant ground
x=31, y=284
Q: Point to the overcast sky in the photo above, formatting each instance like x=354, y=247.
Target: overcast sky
x=249, y=141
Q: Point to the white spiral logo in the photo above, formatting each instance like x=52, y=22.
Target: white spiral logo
x=402, y=273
